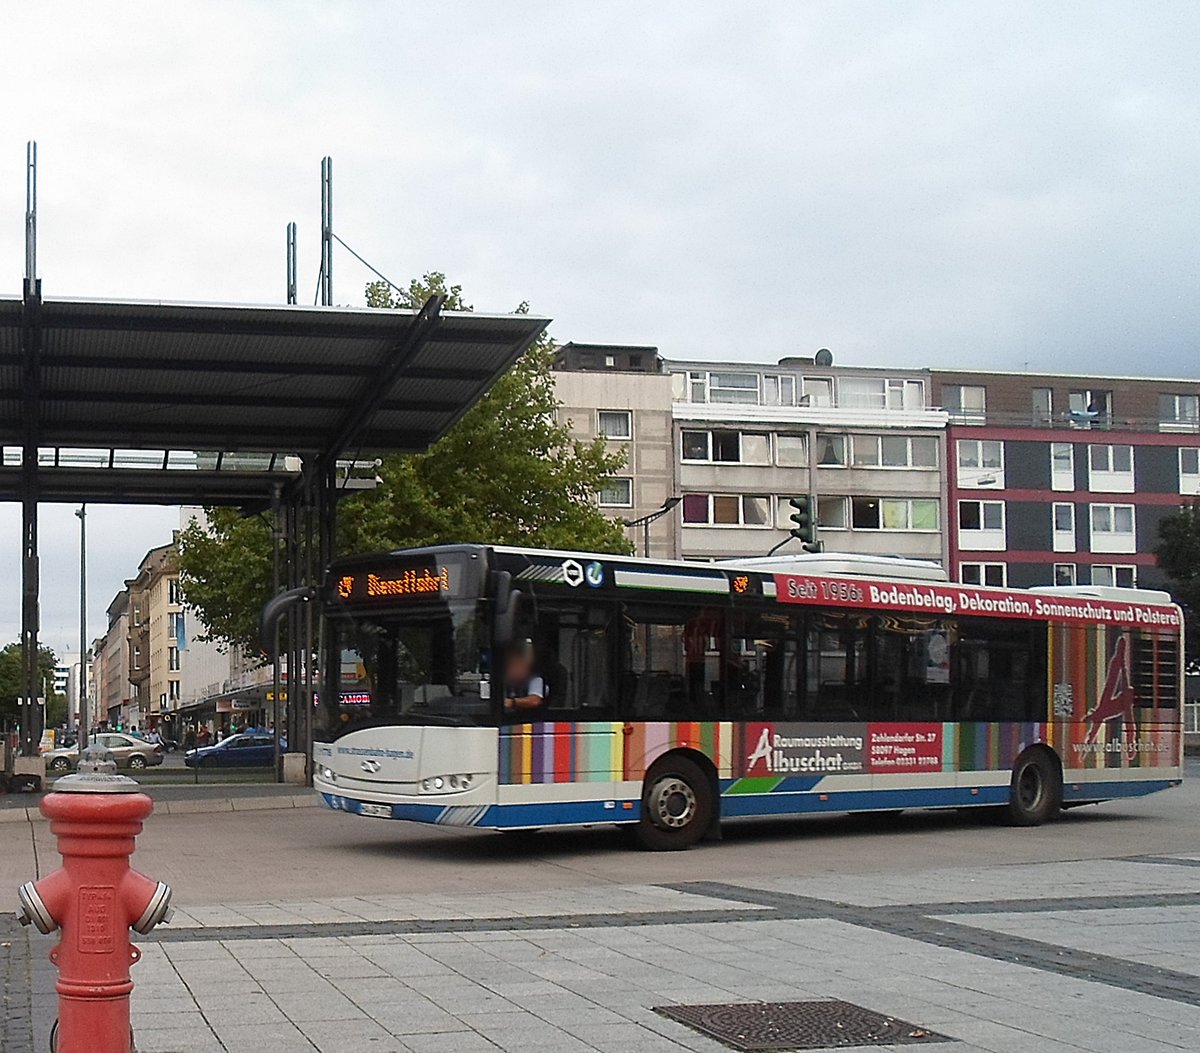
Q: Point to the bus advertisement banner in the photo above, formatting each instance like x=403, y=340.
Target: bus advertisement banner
x=948, y=600
x=841, y=749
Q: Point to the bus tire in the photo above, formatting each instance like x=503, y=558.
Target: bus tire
x=1035, y=794
x=678, y=806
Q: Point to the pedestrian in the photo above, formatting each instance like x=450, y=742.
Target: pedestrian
x=189, y=738
x=202, y=738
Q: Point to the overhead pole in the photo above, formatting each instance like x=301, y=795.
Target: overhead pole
x=31, y=337
x=81, y=512
x=291, y=263
x=327, y=231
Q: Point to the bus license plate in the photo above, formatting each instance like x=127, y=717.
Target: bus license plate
x=379, y=811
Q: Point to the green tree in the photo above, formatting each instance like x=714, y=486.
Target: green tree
x=1178, y=555
x=12, y=683
x=509, y=472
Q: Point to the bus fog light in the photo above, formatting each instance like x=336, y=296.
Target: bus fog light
x=446, y=783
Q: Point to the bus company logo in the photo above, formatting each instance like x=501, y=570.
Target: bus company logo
x=593, y=574
x=572, y=572
x=805, y=749
x=1117, y=699
x=370, y=766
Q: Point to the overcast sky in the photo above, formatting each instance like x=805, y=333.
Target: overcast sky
x=905, y=183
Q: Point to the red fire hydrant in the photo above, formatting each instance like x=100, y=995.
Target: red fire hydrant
x=95, y=898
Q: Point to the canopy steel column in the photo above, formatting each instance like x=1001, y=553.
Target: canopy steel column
x=31, y=339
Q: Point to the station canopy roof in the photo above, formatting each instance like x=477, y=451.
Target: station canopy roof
x=201, y=402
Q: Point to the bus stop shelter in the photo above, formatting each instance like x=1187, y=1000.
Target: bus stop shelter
x=220, y=404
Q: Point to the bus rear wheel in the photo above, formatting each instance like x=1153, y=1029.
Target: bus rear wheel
x=678, y=805
x=1035, y=794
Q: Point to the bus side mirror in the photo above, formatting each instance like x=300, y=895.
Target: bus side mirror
x=508, y=606
x=274, y=609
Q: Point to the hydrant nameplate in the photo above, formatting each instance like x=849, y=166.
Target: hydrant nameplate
x=96, y=912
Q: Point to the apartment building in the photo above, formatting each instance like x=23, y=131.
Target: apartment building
x=113, y=663
x=1061, y=479
x=156, y=636
x=735, y=442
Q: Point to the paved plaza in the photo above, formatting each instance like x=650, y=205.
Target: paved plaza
x=1063, y=953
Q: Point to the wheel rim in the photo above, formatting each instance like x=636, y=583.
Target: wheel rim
x=672, y=803
x=137, y=762
x=1030, y=788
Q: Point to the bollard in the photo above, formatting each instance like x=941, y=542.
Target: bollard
x=95, y=898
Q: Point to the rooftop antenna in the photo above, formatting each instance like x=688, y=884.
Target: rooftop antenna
x=327, y=231
x=291, y=263
x=30, y=210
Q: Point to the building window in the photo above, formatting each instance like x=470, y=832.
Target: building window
x=991, y=574
x=740, y=388
x=697, y=387
x=1112, y=528
x=818, y=391
x=726, y=447
x=1062, y=466
x=893, y=513
x=1183, y=411
x=985, y=453
x=1189, y=470
x=894, y=451
x=1118, y=576
x=173, y=658
x=1090, y=406
x=862, y=393
x=966, y=403
x=831, y=513
x=616, y=424
x=616, y=493
x=173, y=690
x=1110, y=458
x=791, y=451
x=831, y=451
x=137, y=658
x=1064, y=573
x=726, y=510
x=779, y=390
x=1043, y=405
x=173, y=590
x=1063, y=516
x=980, y=515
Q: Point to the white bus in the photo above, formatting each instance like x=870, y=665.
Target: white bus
x=506, y=688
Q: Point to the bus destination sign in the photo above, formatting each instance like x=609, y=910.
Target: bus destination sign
x=394, y=583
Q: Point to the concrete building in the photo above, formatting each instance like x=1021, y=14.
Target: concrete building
x=113, y=690
x=156, y=628
x=1064, y=479
x=736, y=441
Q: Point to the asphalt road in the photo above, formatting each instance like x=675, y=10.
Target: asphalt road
x=293, y=854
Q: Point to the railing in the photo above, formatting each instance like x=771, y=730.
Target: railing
x=1073, y=421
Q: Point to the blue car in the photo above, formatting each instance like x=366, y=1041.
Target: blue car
x=244, y=750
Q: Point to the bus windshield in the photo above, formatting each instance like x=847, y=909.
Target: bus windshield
x=412, y=667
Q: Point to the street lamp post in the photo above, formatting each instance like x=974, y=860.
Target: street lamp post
x=81, y=512
x=645, y=521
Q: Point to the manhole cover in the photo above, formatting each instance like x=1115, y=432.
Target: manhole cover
x=759, y=1027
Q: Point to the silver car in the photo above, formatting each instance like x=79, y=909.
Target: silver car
x=127, y=751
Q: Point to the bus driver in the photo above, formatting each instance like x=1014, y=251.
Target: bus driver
x=523, y=688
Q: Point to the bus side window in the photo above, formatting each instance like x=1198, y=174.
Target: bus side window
x=999, y=671
x=673, y=663
x=838, y=684
x=912, y=669
x=574, y=659
x=763, y=670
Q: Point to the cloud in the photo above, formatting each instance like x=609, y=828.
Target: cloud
x=910, y=183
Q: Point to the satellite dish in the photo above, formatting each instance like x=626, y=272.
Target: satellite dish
x=824, y=357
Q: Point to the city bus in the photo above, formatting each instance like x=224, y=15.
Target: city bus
x=512, y=689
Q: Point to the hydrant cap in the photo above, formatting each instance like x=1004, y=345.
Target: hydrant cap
x=97, y=773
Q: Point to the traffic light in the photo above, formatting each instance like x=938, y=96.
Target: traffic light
x=804, y=526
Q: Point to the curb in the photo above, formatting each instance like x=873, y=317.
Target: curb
x=186, y=807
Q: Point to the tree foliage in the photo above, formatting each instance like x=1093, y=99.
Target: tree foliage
x=1178, y=555
x=12, y=683
x=509, y=472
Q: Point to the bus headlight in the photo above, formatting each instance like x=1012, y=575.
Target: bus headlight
x=446, y=783
x=327, y=774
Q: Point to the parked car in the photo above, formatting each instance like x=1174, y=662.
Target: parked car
x=127, y=751
x=243, y=750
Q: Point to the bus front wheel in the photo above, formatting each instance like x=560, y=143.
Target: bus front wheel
x=1035, y=794
x=677, y=805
